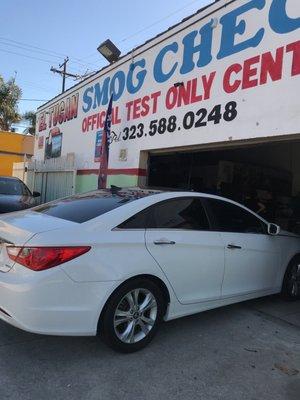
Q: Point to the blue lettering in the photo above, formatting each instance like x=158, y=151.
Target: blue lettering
x=117, y=85
x=231, y=29
x=101, y=94
x=159, y=75
x=87, y=99
x=204, y=48
x=140, y=76
x=280, y=22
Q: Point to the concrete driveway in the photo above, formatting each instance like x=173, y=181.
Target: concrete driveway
x=244, y=351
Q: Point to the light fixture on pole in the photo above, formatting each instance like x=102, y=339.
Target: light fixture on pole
x=109, y=51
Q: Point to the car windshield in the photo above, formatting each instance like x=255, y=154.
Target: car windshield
x=10, y=186
x=83, y=207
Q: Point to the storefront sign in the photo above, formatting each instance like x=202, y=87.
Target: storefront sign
x=221, y=75
x=63, y=111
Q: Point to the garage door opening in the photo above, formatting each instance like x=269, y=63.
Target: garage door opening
x=265, y=177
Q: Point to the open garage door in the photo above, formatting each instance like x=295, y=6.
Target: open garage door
x=265, y=177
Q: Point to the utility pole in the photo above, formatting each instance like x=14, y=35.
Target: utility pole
x=63, y=72
x=64, y=65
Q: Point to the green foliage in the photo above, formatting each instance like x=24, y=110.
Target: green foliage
x=10, y=95
x=31, y=117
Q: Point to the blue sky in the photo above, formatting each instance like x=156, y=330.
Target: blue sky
x=44, y=32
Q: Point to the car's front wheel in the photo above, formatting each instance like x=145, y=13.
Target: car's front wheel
x=132, y=315
x=291, y=282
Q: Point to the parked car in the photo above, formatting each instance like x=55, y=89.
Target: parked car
x=15, y=195
x=117, y=263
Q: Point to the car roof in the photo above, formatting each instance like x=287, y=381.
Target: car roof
x=148, y=198
x=136, y=193
x=13, y=178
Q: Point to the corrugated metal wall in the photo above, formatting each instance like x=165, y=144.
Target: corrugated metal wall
x=54, y=178
x=54, y=185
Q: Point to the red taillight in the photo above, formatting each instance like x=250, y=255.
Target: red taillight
x=41, y=258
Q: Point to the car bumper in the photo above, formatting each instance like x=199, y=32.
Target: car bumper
x=49, y=302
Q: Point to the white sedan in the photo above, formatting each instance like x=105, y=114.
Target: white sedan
x=118, y=262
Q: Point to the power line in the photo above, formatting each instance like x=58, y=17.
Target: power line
x=27, y=56
x=40, y=50
x=32, y=46
x=34, y=100
x=63, y=72
x=28, y=49
x=34, y=85
x=78, y=61
x=157, y=22
x=148, y=27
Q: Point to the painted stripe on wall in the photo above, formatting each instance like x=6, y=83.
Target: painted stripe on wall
x=115, y=171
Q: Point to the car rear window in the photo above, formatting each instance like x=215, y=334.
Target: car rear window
x=82, y=208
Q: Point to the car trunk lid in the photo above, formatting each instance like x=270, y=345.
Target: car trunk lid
x=18, y=228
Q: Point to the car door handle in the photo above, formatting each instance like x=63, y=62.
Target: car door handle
x=163, y=241
x=233, y=246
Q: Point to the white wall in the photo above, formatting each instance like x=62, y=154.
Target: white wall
x=271, y=109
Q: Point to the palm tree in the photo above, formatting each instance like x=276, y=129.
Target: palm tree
x=30, y=116
x=10, y=94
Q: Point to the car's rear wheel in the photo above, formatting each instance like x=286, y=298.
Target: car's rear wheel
x=291, y=282
x=132, y=315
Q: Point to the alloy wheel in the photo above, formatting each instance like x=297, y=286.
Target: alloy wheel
x=135, y=315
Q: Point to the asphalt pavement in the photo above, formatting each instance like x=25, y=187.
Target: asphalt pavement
x=247, y=351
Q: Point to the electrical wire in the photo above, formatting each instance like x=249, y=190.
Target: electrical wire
x=40, y=50
x=78, y=61
x=34, y=58
x=34, y=100
x=26, y=48
x=148, y=27
x=39, y=87
x=157, y=22
x=26, y=55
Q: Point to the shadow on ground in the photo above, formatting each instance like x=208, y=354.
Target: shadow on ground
x=245, y=351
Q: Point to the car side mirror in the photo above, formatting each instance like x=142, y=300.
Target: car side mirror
x=36, y=194
x=273, y=229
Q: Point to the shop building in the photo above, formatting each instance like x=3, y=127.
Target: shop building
x=212, y=104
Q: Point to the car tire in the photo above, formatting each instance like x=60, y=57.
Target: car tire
x=291, y=281
x=132, y=315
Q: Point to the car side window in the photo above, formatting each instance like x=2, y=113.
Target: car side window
x=182, y=213
x=231, y=218
x=137, y=221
